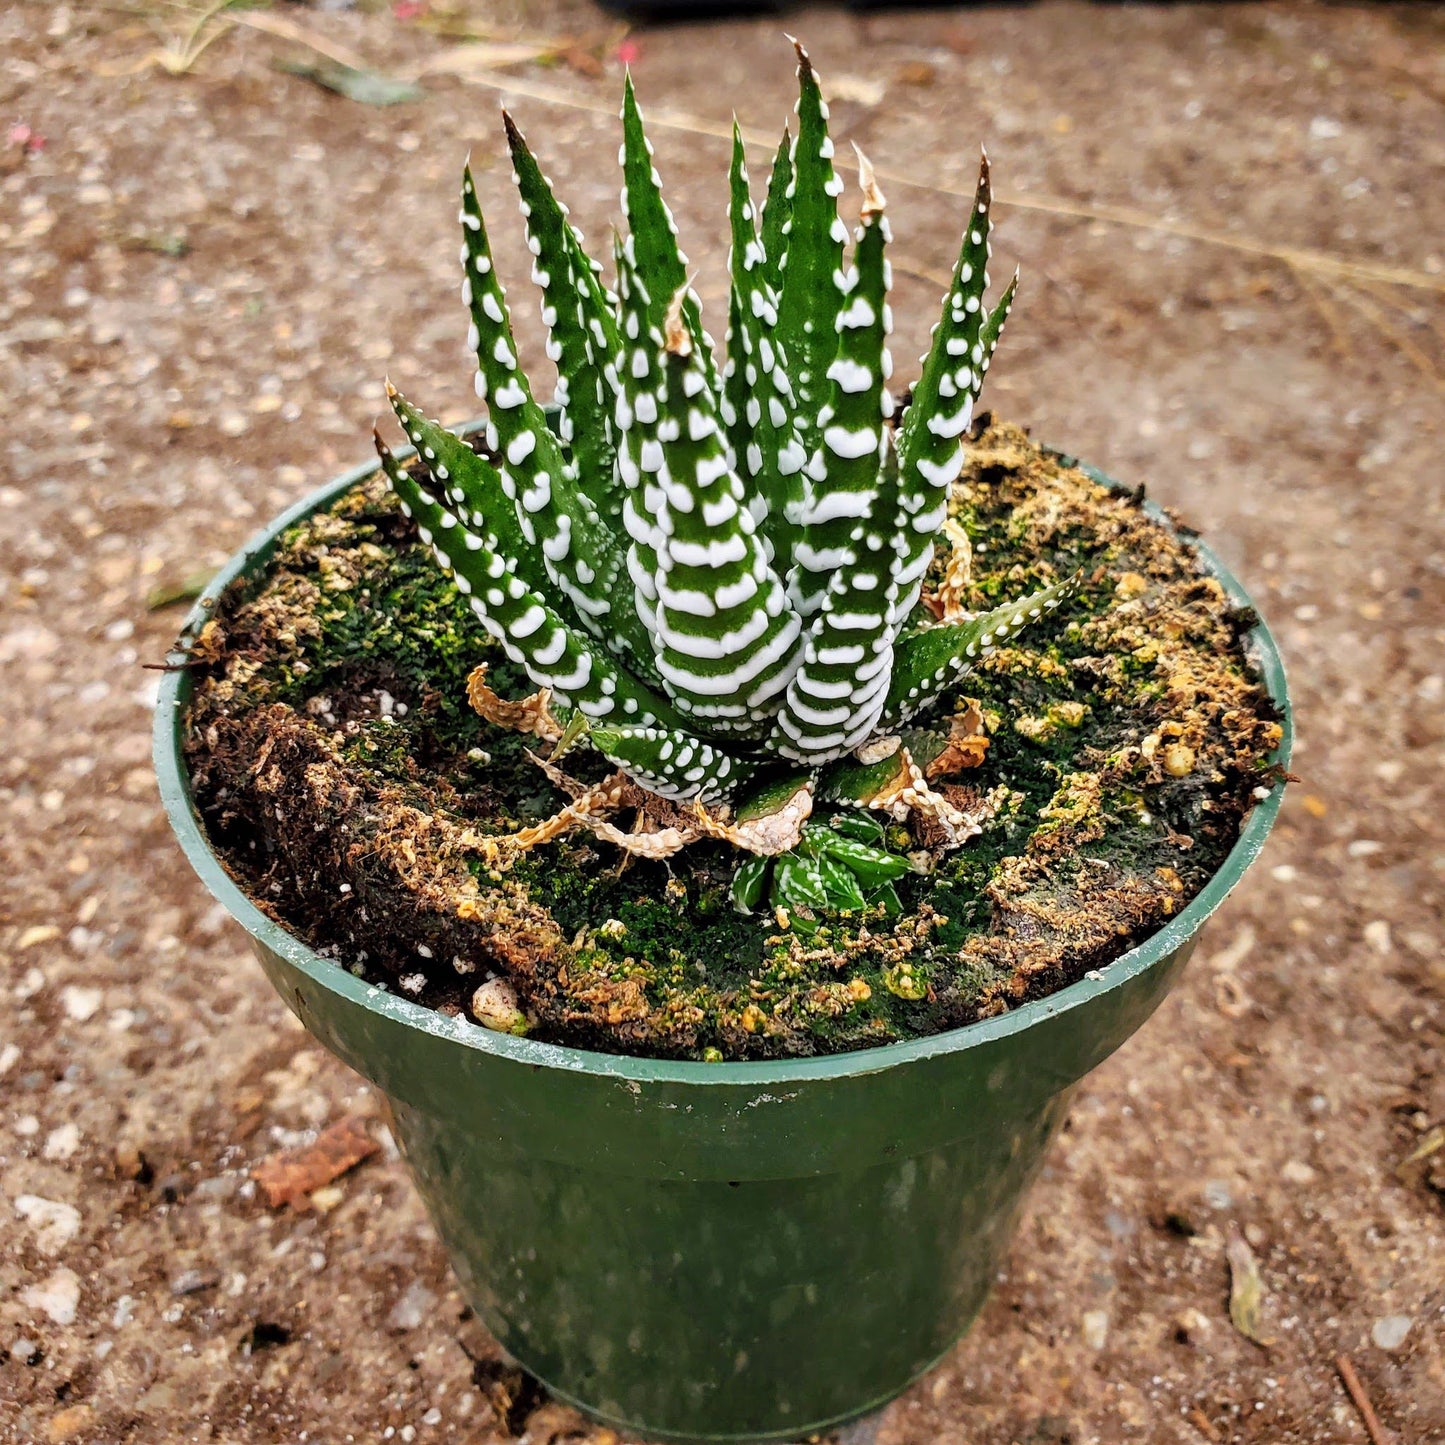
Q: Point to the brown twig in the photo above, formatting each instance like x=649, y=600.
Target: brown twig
x=1361, y=1400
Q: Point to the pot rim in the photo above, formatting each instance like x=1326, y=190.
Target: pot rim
x=174, y=783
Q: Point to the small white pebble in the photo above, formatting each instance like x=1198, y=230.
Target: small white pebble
x=62, y=1142
x=81, y=1003
x=1389, y=1332
x=57, y=1298
x=55, y=1223
x=1284, y=873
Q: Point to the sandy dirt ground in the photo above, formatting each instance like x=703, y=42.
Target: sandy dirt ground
x=206, y=276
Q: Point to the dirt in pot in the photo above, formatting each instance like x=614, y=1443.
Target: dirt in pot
x=1110, y=755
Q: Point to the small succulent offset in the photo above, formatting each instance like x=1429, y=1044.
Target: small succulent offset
x=715, y=569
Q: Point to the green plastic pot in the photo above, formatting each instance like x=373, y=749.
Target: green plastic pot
x=715, y=1252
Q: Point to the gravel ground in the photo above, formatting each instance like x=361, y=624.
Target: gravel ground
x=206, y=276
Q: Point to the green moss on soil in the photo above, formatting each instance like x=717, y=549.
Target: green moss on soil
x=349, y=787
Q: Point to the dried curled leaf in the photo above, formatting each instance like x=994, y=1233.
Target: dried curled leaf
x=531, y=715
x=908, y=794
x=588, y=805
x=773, y=833
x=966, y=746
x=946, y=603
x=564, y=782
x=655, y=844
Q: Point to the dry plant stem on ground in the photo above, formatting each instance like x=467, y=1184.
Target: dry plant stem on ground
x=486, y=61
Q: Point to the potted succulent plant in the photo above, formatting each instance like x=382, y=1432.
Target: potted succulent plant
x=724, y=1116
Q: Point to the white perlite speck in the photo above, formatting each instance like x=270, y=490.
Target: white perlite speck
x=1388, y=1332
x=55, y=1224
x=81, y=1003
x=58, y=1298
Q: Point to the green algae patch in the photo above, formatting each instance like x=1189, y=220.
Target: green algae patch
x=350, y=788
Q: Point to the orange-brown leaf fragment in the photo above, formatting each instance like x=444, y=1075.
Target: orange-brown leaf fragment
x=966, y=746
x=531, y=715
x=289, y=1176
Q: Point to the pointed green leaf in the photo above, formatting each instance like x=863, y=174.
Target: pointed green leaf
x=860, y=827
x=777, y=210
x=672, y=763
x=842, y=475
x=758, y=405
x=726, y=636
x=845, y=561
x=930, y=447
x=842, y=886
x=530, y=631
x=815, y=238
x=471, y=486
x=639, y=386
x=797, y=882
x=579, y=317
x=660, y=264
x=929, y=661
x=872, y=865
x=580, y=552
x=748, y=882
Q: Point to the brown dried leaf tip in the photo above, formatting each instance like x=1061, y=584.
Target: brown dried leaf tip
x=1246, y=1288
x=873, y=202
